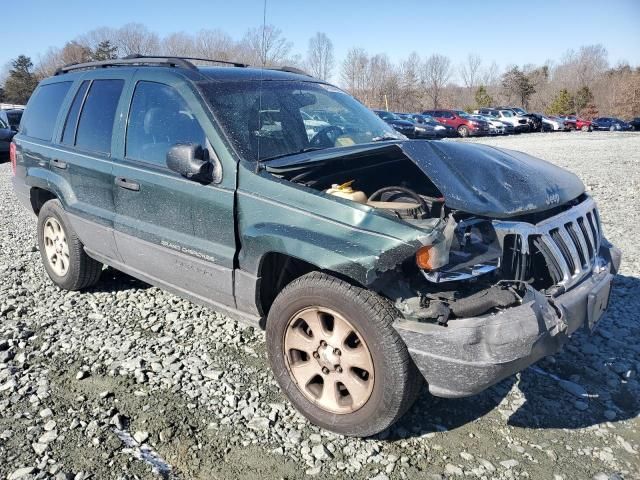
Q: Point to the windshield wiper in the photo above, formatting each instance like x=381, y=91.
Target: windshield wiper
x=385, y=137
x=304, y=150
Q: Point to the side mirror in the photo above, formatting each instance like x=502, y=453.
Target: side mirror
x=6, y=134
x=190, y=161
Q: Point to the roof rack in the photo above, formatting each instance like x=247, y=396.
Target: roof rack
x=181, y=62
x=178, y=62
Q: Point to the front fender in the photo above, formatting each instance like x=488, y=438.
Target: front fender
x=360, y=249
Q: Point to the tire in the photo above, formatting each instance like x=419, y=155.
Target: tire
x=612, y=128
x=70, y=268
x=586, y=128
x=395, y=380
x=463, y=131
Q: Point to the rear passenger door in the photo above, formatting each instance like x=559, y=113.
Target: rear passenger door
x=82, y=160
x=170, y=230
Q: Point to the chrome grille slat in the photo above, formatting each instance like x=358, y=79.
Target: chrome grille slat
x=586, y=233
x=572, y=238
x=577, y=264
x=583, y=251
x=555, y=251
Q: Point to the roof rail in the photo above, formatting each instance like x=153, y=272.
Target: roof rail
x=181, y=62
x=290, y=70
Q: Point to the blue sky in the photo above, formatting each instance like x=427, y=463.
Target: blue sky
x=507, y=31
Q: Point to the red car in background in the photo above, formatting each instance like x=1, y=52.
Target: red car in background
x=461, y=121
x=577, y=123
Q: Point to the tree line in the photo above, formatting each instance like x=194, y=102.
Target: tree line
x=582, y=81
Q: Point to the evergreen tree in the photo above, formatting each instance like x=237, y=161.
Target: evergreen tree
x=517, y=83
x=562, y=104
x=583, y=98
x=21, y=82
x=483, y=99
x=105, y=51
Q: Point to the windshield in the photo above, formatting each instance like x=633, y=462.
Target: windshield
x=462, y=114
x=286, y=118
x=3, y=124
x=507, y=113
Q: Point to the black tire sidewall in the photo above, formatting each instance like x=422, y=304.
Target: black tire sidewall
x=54, y=209
x=375, y=415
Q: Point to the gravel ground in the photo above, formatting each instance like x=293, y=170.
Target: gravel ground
x=127, y=381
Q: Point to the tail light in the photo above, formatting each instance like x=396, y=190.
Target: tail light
x=12, y=156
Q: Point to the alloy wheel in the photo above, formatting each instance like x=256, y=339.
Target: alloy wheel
x=328, y=360
x=56, y=247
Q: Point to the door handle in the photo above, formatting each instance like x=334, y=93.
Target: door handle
x=126, y=184
x=59, y=164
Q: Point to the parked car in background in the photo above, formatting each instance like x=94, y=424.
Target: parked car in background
x=635, y=123
x=313, y=126
x=610, y=123
x=12, y=117
x=464, y=124
x=403, y=126
x=496, y=127
x=6, y=135
x=429, y=127
x=553, y=124
x=577, y=123
x=506, y=115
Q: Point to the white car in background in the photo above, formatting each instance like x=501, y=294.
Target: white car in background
x=505, y=115
x=553, y=123
x=496, y=127
x=311, y=125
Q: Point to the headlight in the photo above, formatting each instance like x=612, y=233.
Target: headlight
x=420, y=129
x=440, y=127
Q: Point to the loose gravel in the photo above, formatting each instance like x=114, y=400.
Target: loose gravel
x=127, y=381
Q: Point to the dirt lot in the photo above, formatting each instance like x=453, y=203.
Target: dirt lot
x=126, y=381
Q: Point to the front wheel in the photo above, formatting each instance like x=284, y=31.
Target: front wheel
x=586, y=128
x=337, y=357
x=463, y=131
x=63, y=255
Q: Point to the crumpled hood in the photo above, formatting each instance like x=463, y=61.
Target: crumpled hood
x=490, y=181
x=474, y=178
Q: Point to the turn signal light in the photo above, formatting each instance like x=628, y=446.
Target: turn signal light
x=423, y=258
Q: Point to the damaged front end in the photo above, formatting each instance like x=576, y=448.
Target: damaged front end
x=512, y=293
x=507, y=261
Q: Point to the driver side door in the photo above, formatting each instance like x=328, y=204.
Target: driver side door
x=171, y=231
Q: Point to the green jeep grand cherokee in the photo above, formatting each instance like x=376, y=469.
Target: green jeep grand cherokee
x=373, y=262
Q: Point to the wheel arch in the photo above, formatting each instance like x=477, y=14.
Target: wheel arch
x=277, y=270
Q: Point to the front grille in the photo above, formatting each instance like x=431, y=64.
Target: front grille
x=558, y=251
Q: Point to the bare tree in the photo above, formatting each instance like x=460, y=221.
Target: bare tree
x=320, y=61
x=266, y=46
x=436, y=72
x=470, y=71
x=136, y=38
x=215, y=44
x=178, y=44
x=354, y=72
x=409, y=79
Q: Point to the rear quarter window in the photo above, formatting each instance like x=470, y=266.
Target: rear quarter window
x=42, y=110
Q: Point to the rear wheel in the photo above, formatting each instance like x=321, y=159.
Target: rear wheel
x=463, y=131
x=63, y=255
x=612, y=128
x=336, y=355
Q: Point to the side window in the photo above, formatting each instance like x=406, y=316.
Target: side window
x=98, y=113
x=71, y=123
x=42, y=110
x=158, y=119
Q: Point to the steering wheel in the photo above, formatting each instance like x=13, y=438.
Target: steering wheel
x=326, y=137
x=397, y=190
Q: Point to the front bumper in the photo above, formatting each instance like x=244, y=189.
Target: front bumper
x=471, y=354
